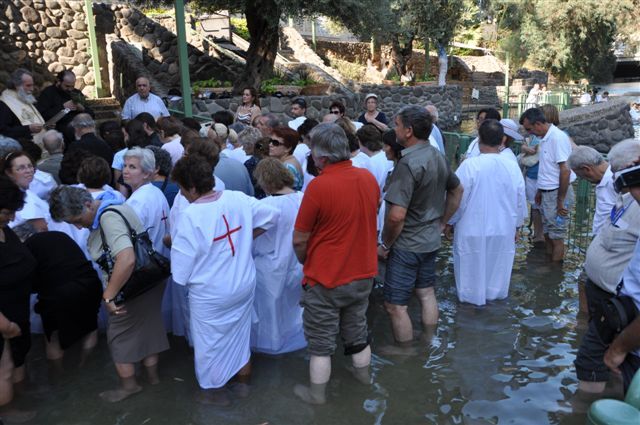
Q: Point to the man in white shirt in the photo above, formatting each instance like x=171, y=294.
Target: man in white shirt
x=554, y=194
x=298, y=112
x=494, y=196
x=623, y=355
x=144, y=101
x=589, y=164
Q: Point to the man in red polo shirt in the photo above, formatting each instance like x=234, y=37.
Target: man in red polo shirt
x=335, y=239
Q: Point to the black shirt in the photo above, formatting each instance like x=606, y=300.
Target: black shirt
x=95, y=145
x=52, y=100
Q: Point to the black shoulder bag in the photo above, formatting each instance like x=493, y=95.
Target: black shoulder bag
x=150, y=269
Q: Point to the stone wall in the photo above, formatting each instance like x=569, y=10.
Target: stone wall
x=447, y=99
x=601, y=125
x=124, y=69
x=46, y=38
x=158, y=48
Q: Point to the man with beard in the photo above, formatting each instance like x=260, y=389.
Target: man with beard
x=19, y=118
x=59, y=96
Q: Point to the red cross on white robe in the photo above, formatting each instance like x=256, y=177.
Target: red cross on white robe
x=164, y=217
x=228, y=235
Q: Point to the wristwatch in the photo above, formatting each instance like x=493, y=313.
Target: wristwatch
x=384, y=246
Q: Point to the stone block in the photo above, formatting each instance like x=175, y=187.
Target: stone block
x=29, y=14
x=48, y=56
x=89, y=79
x=56, y=13
x=39, y=4
x=77, y=6
x=39, y=44
x=18, y=55
x=55, y=67
x=65, y=51
x=81, y=57
x=79, y=25
x=24, y=27
x=173, y=68
x=42, y=36
x=64, y=25
x=276, y=105
x=39, y=27
x=82, y=45
x=66, y=60
x=30, y=45
x=148, y=41
x=32, y=36
x=54, y=32
x=13, y=29
x=52, y=4
x=77, y=35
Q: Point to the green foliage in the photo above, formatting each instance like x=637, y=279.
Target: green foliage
x=240, y=27
x=210, y=83
x=157, y=11
x=349, y=70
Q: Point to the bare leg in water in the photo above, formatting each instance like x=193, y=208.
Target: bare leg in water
x=129, y=385
x=7, y=412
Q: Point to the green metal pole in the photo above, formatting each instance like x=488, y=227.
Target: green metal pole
x=183, y=58
x=95, y=59
x=313, y=33
x=505, y=106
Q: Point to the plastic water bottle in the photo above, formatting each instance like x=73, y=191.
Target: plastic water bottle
x=561, y=220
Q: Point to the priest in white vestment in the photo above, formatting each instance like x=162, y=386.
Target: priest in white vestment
x=211, y=255
x=493, y=207
x=278, y=328
x=19, y=118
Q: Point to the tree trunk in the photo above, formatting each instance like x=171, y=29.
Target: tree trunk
x=443, y=61
x=262, y=17
x=401, y=50
x=427, y=60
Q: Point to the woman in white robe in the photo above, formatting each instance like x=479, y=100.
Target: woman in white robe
x=151, y=207
x=493, y=206
x=211, y=254
x=278, y=328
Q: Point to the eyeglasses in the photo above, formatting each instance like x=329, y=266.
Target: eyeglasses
x=24, y=168
x=336, y=112
x=275, y=143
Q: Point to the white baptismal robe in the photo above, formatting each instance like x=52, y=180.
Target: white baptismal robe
x=278, y=283
x=493, y=205
x=152, y=209
x=211, y=254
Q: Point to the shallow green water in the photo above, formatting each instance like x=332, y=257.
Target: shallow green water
x=507, y=363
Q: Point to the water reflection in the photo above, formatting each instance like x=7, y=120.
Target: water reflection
x=507, y=363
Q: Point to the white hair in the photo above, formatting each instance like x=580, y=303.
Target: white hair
x=53, y=141
x=624, y=154
x=146, y=157
x=584, y=156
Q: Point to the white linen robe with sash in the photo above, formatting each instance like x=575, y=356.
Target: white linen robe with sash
x=493, y=206
x=278, y=283
x=211, y=254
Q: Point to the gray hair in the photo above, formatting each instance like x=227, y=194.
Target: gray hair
x=584, y=156
x=163, y=160
x=15, y=80
x=249, y=136
x=83, y=121
x=8, y=145
x=146, y=157
x=433, y=111
x=272, y=120
x=53, y=141
x=330, y=141
x=67, y=202
x=624, y=154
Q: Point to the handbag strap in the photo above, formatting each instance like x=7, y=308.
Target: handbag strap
x=132, y=233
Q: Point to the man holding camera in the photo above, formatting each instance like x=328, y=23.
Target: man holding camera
x=623, y=355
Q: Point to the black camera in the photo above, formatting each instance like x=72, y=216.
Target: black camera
x=627, y=178
x=613, y=316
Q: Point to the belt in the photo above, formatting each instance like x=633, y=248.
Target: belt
x=548, y=190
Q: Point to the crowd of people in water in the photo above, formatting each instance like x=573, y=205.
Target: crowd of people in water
x=248, y=234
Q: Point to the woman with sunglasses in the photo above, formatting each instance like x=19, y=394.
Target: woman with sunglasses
x=283, y=143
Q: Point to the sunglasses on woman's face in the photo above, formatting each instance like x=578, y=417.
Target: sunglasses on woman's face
x=274, y=142
x=336, y=112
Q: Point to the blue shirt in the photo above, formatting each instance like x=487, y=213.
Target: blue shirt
x=532, y=172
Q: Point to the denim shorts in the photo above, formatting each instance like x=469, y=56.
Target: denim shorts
x=407, y=271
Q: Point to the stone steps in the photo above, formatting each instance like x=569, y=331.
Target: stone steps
x=105, y=108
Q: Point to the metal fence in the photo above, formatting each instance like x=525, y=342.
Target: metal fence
x=513, y=110
x=581, y=217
